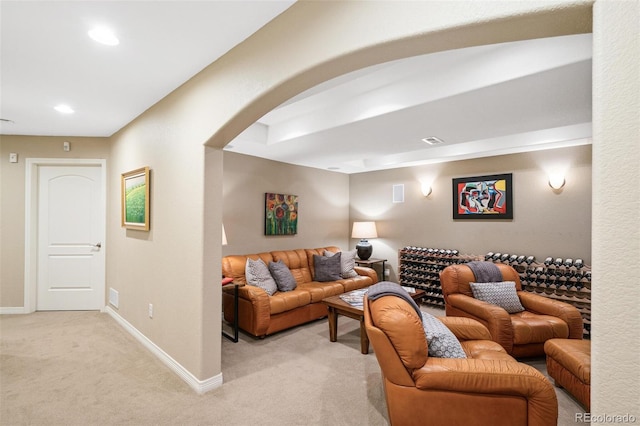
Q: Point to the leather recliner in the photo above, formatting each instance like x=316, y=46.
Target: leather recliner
x=487, y=388
x=521, y=334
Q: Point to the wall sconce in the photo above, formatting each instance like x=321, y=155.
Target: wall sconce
x=426, y=189
x=556, y=180
x=224, y=236
x=364, y=230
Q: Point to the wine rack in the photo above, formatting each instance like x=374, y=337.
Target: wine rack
x=420, y=268
x=564, y=280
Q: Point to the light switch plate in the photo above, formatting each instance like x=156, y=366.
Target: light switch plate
x=13, y=157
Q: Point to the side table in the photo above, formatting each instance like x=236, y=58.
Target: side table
x=370, y=262
x=234, y=337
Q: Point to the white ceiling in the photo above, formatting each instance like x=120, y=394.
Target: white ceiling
x=481, y=101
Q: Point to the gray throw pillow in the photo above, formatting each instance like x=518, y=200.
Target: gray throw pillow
x=283, y=276
x=327, y=268
x=501, y=294
x=441, y=341
x=257, y=274
x=347, y=263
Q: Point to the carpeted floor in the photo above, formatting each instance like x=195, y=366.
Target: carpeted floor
x=82, y=368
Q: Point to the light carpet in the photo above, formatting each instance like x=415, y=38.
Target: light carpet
x=82, y=368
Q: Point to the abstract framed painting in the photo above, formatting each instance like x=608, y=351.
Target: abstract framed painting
x=281, y=214
x=135, y=199
x=483, y=197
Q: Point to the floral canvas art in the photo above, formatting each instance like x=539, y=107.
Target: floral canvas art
x=281, y=214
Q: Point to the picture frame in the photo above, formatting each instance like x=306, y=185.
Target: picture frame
x=281, y=214
x=135, y=199
x=483, y=197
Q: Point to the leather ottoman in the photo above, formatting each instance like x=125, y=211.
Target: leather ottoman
x=569, y=364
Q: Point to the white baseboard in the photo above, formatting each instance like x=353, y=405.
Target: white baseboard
x=13, y=311
x=200, y=386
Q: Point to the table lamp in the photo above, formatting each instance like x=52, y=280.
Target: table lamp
x=364, y=230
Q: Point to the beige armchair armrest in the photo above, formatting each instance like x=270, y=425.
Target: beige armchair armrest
x=546, y=306
x=496, y=319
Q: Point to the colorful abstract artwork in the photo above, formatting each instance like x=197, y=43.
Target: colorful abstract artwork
x=281, y=214
x=483, y=197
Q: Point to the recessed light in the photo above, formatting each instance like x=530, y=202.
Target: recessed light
x=432, y=140
x=104, y=35
x=64, y=109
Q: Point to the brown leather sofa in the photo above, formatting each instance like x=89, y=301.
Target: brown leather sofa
x=489, y=387
x=521, y=334
x=260, y=314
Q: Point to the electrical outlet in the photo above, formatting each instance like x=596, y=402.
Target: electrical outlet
x=150, y=310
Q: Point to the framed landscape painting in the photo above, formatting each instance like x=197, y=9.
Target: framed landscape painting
x=281, y=214
x=483, y=197
x=135, y=199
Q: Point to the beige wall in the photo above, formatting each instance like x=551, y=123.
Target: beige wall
x=616, y=222
x=545, y=223
x=323, y=202
x=165, y=266
x=12, y=200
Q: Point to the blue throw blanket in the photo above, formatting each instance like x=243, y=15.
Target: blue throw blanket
x=485, y=272
x=387, y=288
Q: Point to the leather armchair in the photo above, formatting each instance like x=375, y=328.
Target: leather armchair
x=487, y=388
x=521, y=334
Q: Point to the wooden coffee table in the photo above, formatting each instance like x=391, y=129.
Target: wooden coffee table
x=337, y=306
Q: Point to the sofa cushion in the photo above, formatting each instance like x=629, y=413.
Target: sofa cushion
x=298, y=263
x=327, y=268
x=529, y=327
x=347, y=263
x=257, y=274
x=501, y=294
x=284, y=301
x=442, y=343
x=282, y=275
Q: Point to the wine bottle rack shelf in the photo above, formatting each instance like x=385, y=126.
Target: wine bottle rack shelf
x=558, y=279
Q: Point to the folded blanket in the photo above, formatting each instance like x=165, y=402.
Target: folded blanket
x=485, y=272
x=387, y=288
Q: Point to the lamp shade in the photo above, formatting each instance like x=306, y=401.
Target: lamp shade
x=364, y=230
x=224, y=236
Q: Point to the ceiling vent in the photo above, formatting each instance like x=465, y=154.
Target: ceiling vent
x=432, y=140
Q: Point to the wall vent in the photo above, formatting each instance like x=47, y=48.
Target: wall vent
x=113, y=297
x=432, y=140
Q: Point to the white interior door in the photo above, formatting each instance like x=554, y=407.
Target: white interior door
x=71, y=230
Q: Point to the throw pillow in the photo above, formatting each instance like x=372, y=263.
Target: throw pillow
x=347, y=263
x=283, y=276
x=257, y=274
x=501, y=294
x=442, y=343
x=327, y=268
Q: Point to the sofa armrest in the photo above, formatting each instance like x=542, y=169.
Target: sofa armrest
x=254, y=310
x=367, y=272
x=466, y=328
x=505, y=378
x=546, y=306
x=496, y=319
